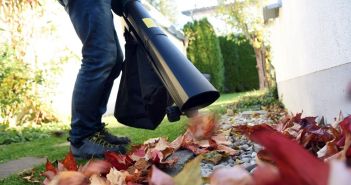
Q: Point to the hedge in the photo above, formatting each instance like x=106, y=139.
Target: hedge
x=240, y=64
x=204, y=50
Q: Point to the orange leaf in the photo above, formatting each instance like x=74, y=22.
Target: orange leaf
x=50, y=167
x=70, y=163
x=203, y=126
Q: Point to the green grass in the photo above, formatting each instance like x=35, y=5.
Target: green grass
x=48, y=147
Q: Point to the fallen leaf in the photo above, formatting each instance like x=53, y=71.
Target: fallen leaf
x=50, y=167
x=97, y=167
x=71, y=178
x=221, y=139
x=214, y=157
x=138, y=153
x=119, y=161
x=177, y=143
x=295, y=164
x=190, y=174
x=226, y=149
x=97, y=180
x=70, y=163
x=158, y=177
x=116, y=177
x=203, y=126
x=231, y=176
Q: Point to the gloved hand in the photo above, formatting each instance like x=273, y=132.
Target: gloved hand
x=118, y=6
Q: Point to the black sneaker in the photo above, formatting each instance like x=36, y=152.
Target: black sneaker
x=107, y=136
x=95, y=147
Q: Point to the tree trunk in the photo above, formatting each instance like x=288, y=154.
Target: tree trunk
x=260, y=65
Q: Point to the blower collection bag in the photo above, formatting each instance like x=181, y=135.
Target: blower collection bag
x=142, y=98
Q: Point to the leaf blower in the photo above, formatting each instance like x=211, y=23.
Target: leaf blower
x=157, y=79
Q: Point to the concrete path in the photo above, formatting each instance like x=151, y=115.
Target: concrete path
x=19, y=165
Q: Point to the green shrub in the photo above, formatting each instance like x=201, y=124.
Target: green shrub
x=258, y=100
x=204, y=50
x=19, y=96
x=239, y=64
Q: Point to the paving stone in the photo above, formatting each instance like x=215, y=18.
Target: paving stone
x=19, y=165
x=183, y=157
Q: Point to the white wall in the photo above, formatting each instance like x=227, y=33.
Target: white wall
x=311, y=52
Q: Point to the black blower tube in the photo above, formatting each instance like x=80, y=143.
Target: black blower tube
x=187, y=86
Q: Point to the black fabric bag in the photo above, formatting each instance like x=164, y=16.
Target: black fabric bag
x=142, y=98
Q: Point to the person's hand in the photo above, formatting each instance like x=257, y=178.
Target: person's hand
x=117, y=6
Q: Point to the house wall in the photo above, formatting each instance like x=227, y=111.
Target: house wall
x=311, y=52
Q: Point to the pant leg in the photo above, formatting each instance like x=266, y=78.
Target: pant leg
x=101, y=64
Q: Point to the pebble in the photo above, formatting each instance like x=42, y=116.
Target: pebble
x=247, y=151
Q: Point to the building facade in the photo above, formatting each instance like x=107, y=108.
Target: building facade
x=311, y=53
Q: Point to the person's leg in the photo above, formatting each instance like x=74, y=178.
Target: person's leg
x=101, y=64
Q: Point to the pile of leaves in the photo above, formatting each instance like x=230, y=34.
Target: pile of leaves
x=324, y=141
x=296, y=151
x=135, y=167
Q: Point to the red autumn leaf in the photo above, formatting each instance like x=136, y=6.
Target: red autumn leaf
x=266, y=174
x=70, y=163
x=120, y=162
x=50, y=167
x=328, y=150
x=158, y=177
x=138, y=153
x=296, y=165
x=265, y=156
x=345, y=140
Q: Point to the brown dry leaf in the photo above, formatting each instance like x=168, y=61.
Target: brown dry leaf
x=30, y=177
x=203, y=143
x=221, y=139
x=158, y=177
x=116, y=177
x=190, y=174
x=97, y=180
x=95, y=167
x=177, y=143
x=213, y=157
x=71, y=178
x=203, y=126
x=231, y=176
x=162, y=144
x=226, y=149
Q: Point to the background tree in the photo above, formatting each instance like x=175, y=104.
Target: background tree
x=26, y=72
x=240, y=72
x=204, y=50
x=246, y=17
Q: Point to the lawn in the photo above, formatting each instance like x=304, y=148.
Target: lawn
x=54, y=148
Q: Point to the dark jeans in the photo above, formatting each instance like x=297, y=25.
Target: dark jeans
x=101, y=65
